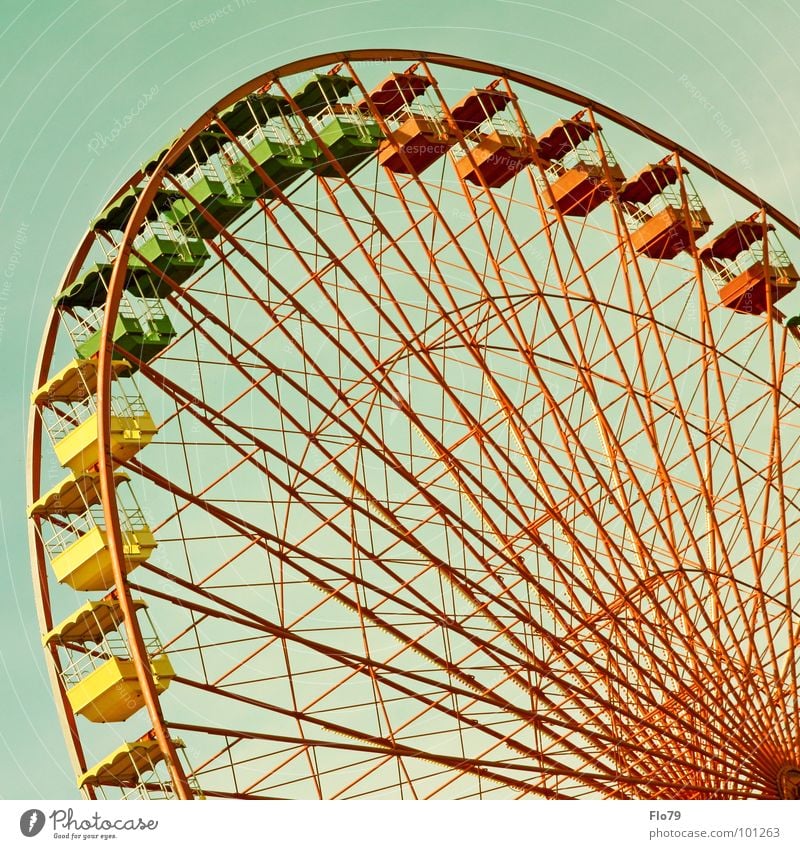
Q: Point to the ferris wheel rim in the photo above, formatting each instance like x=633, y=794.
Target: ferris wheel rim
x=143, y=203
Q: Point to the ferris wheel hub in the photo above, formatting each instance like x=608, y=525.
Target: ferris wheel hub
x=789, y=782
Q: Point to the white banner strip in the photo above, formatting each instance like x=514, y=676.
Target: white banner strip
x=401, y=825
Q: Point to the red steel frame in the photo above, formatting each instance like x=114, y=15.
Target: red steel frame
x=648, y=411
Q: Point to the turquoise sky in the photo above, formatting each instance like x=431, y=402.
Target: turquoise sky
x=720, y=76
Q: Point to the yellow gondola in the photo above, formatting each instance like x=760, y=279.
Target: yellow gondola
x=72, y=529
x=100, y=677
x=73, y=423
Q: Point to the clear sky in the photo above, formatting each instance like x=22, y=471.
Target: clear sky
x=721, y=76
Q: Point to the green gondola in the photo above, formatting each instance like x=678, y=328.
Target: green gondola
x=131, y=337
x=250, y=112
x=115, y=216
x=280, y=162
x=212, y=196
x=320, y=91
x=350, y=143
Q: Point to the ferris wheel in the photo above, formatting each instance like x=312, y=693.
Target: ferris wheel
x=412, y=427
